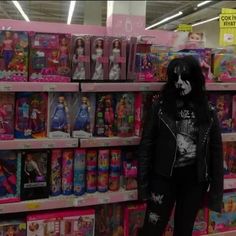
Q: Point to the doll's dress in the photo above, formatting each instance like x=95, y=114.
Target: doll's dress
x=82, y=119
x=59, y=119
x=115, y=69
x=79, y=73
x=98, y=73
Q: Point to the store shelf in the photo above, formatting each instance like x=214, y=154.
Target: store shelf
x=229, y=137
x=121, y=87
x=220, y=86
x=38, y=143
x=108, y=142
x=229, y=184
x=230, y=233
x=65, y=202
x=38, y=86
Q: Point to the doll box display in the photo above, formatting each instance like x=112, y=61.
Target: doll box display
x=7, y=104
x=10, y=169
x=35, y=177
x=14, y=55
x=59, y=115
x=13, y=227
x=117, y=58
x=83, y=115
x=131, y=52
x=100, y=60
x=234, y=113
x=229, y=149
x=31, y=115
x=49, y=57
x=81, y=57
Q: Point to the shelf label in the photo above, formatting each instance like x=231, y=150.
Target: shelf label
x=5, y=88
x=27, y=146
x=80, y=201
x=144, y=87
x=33, y=205
x=49, y=87
x=104, y=200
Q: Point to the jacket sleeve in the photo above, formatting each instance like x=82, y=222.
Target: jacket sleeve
x=216, y=167
x=145, y=152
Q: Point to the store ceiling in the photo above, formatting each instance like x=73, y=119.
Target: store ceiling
x=57, y=11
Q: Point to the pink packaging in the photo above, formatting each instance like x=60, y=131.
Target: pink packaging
x=91, y=160
x=114, y=181
x=13, y=228
x=67, y=172
x=103, y=159
x=91, y=183
x=49, y=57
x=134, y=219
x=7, y=104
x=229, y=149
x=117, y=58
x=138, y=114
x=100, y=60
x=132, y=47
x=234, y=113
x=115, y=162
x=81, y=57
x=102, y=181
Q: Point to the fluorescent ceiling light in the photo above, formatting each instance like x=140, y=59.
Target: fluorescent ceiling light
x=19, y=8
x=71, y=11
x=203, y=3
x=206, y=21
x=164, y=20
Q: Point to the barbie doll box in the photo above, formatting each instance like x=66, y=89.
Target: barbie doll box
x=234, y=113
x=49, y=57
x=35, y=174
x=229, y=149
x=9, y=177
x=13, y=56
x=13, y=228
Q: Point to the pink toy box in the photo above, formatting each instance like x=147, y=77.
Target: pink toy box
x=10, y=169
x=229, y=149
x=7, y=104
x=49, y=57
x=131, y=52
x=234, y=113
x=117, y=58
x=13, y=227
x=227, y=220
x=100, y=60
x=81, y=57
x=57, y=223
x=13, y=55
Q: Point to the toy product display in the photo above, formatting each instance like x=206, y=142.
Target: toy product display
x=35, y=174
x=91, y=181
x=115, y=162
x=234, y=113
x=81, y=57
x=7, y=103
x=13, y=228
x=31, y=115
x=229, y=150
x=56, y=172
x=117, y=58
x=100, y=60
x=67, y=172
x=132, y=47
x=83, y=114
x=79, y=171
x=49, y=57
x=9, y=177
x=103, y=160
x=103, y=179
x=13, y=55
x=91, y=160
x=114, y=181
x=59, y=115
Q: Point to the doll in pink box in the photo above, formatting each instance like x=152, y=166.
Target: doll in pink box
x=7, y=49
x=98, y=71
x=63, y=53
x=115, y=66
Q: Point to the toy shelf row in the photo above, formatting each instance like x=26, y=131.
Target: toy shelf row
x=98, y=87
x=67, y=202
x=230, y=233
x=83, y=143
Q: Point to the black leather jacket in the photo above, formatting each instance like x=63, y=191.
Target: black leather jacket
x=158, y=148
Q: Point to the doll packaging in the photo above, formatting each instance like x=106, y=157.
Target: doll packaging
x=7, y=104
x=31, y=115
x=131, y=52
x=117, y=58
x=13, y=56
x=234, y=113
x=229, y=150
x=99, y=56
x=49, y=57
x=13, y=227
x=35, y=174
x=10, y=169
x=59, y=115
x=83, y=115
x=81, y=57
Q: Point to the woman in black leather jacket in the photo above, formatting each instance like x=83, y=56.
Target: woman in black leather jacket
x=180, y=155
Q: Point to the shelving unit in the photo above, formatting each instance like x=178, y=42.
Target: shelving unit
x=71, y=201
x=229, y=184
x=229, y=137
x=230, y=233
x=221, y=86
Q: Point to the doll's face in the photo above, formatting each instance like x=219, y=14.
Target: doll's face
x=195, y=37
x=29, y=157
x=116, y=44
x=8, y=34
x=99, y=43
x=63, y=41
x=10, y=231
x=61, y=99
x=79, y=42
x=54, y=53
x=84, y=100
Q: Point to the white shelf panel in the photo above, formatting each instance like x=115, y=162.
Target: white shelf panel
x=220, y=86
x=109, y=142
x=229, y=184
x=38, y=143
x=121, y=87
x=71, y=201
x=229, y=233
x=229, y=137
x=38, y=87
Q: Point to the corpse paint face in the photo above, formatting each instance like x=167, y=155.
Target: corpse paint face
x=182, y=83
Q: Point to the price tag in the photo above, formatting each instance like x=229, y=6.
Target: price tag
x=49, y=87
x=104, y=200
x=105, y=144
x=27, y=146
x=5, y=88
x=33, y=205
x=145, y=87
x=50, y=145
x=226, y=86
x=80, y=201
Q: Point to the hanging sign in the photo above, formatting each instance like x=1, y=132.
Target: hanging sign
x=185, y=28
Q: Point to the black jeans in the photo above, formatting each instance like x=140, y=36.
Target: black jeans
x=183, y=191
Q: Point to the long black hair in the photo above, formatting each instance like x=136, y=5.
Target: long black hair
x=197, y=96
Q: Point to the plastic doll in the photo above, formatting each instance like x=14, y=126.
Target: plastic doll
x=53, y=62
x=108, y=116
x=79, y=73
x=3, y=114
x=194, y=36
x=11, y=231
x=7, y=48
x=34, y=116
x=121, y=112
x=60, y=116
x=98, y=71
x=63, y=53
x=115, y=66
x=82, y=121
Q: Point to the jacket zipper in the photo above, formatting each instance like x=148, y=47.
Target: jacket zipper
x=172, y=167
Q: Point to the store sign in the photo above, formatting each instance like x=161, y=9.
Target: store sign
x=185, y=28
x=227, y=20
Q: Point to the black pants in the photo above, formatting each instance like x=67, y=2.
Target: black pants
x=183, y=191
